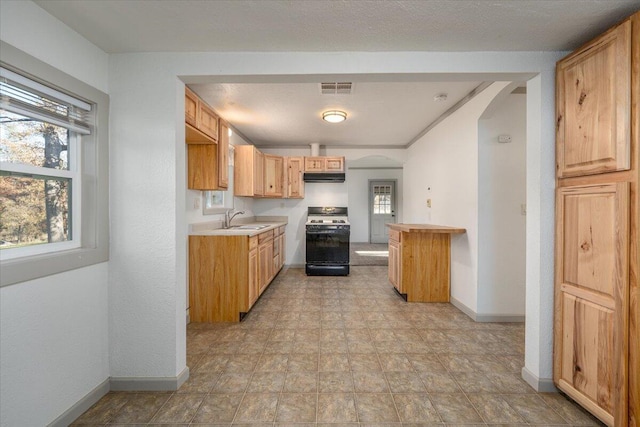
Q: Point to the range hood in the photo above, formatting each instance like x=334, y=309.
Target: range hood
x=323, y=177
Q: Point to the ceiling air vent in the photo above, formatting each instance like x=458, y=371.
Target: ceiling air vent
x=338, y=88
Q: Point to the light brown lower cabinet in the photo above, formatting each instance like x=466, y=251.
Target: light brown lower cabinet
x=419, y=261
x=227, y=275
x=283, y=252
x=592, y=277
x=254, y=274
x=265, y=260
x=394, y=261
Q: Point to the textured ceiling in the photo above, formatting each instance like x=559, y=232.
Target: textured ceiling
x=380, y=114
x=118, y=26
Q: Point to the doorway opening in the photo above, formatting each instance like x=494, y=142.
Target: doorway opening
x=382, y=209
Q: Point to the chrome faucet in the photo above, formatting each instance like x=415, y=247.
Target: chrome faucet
x=228, y=218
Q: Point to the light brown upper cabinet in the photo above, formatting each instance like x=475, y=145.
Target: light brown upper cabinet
x=597, y=261
x=191, y=102
x=223, y=155
x=294, y=169
x=273, y=175
x=248, y=171
x=208, y=123
x=334, y=164
x=324, y=164
x=201, y=122
x=593, y=103
x=207, y=160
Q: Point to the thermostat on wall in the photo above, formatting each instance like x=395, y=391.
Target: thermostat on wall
x=504, y=138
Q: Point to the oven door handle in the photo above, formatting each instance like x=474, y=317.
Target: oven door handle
x=337, y=232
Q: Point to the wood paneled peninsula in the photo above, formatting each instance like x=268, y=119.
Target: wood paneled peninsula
x=230, y=268
x=420, y=261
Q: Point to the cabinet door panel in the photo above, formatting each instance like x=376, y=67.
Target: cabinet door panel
x=295, y=184
x=258, y=173
x=208, y=122
x=202, y=161
x=394, y=265
x=592, y=297
x=593, y=106
x=334, y=164
x=273, y=175
x=588, y=346
x=190, y=107
x=265, y=261
x=314, y=164
x=589, y=241
x=253, y=277
x=223, y=155
x=283, y=252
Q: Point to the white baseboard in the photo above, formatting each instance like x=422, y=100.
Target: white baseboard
x=488, y=318
x=90, y=399
x=149, y=383
x=541, y=385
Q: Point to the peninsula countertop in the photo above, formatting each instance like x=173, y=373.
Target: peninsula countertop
x=426, y=228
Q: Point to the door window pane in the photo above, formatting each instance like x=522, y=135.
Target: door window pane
x=382, y=199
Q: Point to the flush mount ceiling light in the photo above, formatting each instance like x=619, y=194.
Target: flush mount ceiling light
x=440, y=97
x=334, y=116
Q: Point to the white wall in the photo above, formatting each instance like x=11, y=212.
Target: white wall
x=501, y=193
x=54, y=330
x=147, y=290
x=443, y=166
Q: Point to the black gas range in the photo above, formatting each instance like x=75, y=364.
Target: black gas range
x=327, y=236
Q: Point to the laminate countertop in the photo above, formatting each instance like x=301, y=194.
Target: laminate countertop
x=251, y=226
x=426, y=228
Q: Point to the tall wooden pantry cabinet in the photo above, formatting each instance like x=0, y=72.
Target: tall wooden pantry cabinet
x=597, y=292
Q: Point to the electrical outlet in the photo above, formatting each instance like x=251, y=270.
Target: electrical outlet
x=196, y=203
x=428, y=203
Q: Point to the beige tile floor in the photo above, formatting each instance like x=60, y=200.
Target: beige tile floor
x=346, y=351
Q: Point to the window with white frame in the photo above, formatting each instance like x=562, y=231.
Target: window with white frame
x=54, y=183
x=40, y=133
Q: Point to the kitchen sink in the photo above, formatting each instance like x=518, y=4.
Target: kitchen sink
x=250, y=227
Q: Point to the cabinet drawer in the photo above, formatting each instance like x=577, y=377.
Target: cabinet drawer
x=253, y=242
x=281, y=230
x=394, y=235
x=263, y=237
